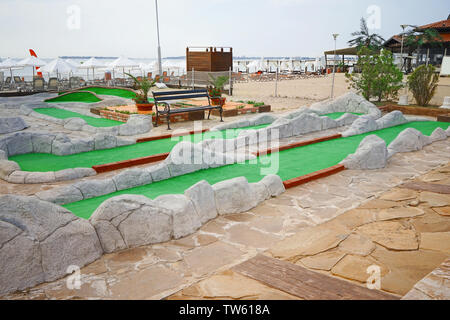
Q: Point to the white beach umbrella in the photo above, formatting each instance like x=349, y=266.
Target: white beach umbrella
x=58, y=66
x=92, y=63
x=123, y=62
x=9, y=64
x=73, y=63
x=31, y=62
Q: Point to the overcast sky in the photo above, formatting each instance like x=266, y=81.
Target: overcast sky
x=252, y=27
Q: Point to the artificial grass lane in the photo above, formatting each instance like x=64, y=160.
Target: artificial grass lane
x=44, y=162
x=111, y=92
x=84, y=97
x=65, y=114
x=292, y=163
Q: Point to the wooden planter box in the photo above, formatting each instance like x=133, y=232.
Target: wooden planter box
x=264, y=108
x=418, y=111
x=237, y=112
x=444, y=118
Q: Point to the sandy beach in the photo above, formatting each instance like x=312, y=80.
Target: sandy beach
x=293, y=94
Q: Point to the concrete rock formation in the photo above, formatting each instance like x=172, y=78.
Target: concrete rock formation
x=14, y=124
x=367, y=123
x=371, y=154
x=39, y=241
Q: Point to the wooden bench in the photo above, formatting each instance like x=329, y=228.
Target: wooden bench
x=161, y=98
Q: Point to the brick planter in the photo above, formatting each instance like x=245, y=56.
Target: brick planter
x=181, y=117
x=237, y=112
x=114, y=115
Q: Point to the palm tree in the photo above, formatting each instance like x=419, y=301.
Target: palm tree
x=416, y=38
x=365, y=39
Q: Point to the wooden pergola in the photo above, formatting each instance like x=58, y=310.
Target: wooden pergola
x=352, y=51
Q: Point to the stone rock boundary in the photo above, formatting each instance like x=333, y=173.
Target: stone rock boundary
x=373, y=153
x=349, y=103
x=12, y=124
x=40, y=241
x=58, y=144
x=136, y=124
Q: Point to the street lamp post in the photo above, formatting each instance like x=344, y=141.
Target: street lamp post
x=159, y=45
x=335, y=35
x=403, y=26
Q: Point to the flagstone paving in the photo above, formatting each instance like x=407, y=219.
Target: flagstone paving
x=365, y=219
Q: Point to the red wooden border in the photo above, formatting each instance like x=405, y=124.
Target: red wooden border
x=168, y=136
x=298, y=144
x=313, y=176
x=129, y=163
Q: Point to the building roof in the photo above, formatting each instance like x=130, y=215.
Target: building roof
x=444, y=24
x=352, y=51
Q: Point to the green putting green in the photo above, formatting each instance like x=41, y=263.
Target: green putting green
x=337, y=115
x=111, y=92
x=288, y=164
x=84, y=97
x=44, y=162
x=65, y=114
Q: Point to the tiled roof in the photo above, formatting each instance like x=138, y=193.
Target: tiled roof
x=439, y=24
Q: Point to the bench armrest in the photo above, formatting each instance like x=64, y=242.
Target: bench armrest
x=166, y=106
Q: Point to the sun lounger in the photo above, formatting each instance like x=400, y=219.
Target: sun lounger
x=53, y=84
x=38, y=85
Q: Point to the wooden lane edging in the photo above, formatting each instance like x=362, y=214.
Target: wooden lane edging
x=168, y=136
x=129, y=163
x=304, y=283
x=298, y=144
x=313, y=176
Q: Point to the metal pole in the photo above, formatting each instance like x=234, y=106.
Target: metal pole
x=229, y=89
x=159, y=44
x=276, y=82
x=334, y=65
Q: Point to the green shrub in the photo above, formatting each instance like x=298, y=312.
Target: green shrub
x=379, y=77
x=423, y=83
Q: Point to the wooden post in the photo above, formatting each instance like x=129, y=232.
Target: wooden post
x=193, y=79
x=428, y=55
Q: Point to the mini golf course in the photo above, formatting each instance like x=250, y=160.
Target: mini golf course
x=66, y=114
x=44, y=162
x=292, y=163
x=83, y=97
x=122, y=93
x=88, y=95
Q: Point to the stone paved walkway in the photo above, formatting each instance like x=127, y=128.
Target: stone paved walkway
x=199, y=265
x=406, y=233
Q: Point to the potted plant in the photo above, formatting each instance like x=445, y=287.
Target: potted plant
x=143, y=85
x=215, y=90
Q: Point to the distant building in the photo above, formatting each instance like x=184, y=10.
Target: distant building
x=435, y=54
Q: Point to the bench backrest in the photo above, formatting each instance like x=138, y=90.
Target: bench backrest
x=180, y=94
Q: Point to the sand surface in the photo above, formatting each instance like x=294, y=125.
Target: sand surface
x=293, y=94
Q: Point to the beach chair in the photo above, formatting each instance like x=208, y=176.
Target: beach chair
x=74, y=82
x=38, y=85
x=7, y=83
x=53, y=84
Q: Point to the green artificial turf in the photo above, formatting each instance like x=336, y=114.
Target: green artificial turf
x=337, y=115
x=84, y=97
x=65, y=114
x=287, y=164
x=111, y=92
x=44, y=162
